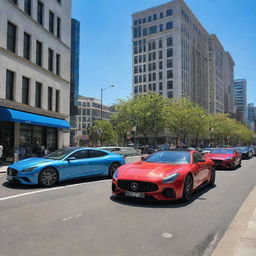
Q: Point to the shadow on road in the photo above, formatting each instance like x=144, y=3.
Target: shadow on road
x=13, y=185
x=135, y=202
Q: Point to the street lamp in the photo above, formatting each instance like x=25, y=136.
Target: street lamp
x=101, y=100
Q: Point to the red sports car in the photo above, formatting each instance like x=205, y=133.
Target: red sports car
x=164, y=175
x=225, y=157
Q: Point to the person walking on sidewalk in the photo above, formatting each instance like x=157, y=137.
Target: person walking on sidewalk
x=1, y=154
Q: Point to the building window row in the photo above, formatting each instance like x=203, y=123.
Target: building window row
x=155, y=16
x=153, y=87
x=25, y=93
x=40, y=16
x=12, y=46
x=139, y=32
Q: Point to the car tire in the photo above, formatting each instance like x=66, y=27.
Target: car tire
x=212, y=179
x=240, y=163
x=48, y=177
x=113, y=168
x=187, y=189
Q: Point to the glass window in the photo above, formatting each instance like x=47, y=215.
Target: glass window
x=169, y=41
x=160, y=64
x=58, y=27
x=27, y=7
x=38, y=53
x=50, y=98
x=169, y=25
x=149, y=18
x=51, y=22
x=25, y=90
x=169, y=74
x=169, y=84
x=40, y=12
x=11, y=37
x=161, y=15
x=169, y=52
x=38, y=95
x=51, y=142
x=81, y=154
x=160, y=45
x=145, y=31
x=152, y=30
x=9, y=85
x=170, y=94
x=26, y=46
x=160, y=86
x=161, y=27
x=155, y=17
x=169, y=63
x=50, y=59
x=57, y=101
x=169, y=12
x=58, y=64
x=160, y=75
x=172, y=157
x=160, y=54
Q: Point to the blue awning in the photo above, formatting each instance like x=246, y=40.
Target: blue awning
x=7, y=114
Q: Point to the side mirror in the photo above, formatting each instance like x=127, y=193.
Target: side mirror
x=71, y=158
x=144, y=157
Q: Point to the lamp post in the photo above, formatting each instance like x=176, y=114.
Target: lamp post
x=101, y=100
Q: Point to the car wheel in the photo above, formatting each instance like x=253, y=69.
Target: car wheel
x=240, y=163
x=233, y=166
x=48, y=177
x=212, y=180
x=113, y=168
x=188, y=189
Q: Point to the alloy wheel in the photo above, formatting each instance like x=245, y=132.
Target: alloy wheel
x=48, y=177
x=113, y=168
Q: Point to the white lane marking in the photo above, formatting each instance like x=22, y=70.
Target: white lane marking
x=210, y=248
x=71, y=217
x=167, y=235
x=233, y=174
x=50, y=189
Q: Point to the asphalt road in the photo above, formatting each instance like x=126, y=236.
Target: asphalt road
x=82, y=218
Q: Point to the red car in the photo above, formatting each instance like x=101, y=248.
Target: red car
x=225, y=157
x=164, y=175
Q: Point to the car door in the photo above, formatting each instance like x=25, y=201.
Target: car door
x=77, y=164
x=97, y=162
x=201, y=169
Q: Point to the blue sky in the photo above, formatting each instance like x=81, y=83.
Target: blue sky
x=105, y=47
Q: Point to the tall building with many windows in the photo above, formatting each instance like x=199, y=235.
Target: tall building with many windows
x=35, y=72
x=174, y=56
x=240, y=99
x=251, y=120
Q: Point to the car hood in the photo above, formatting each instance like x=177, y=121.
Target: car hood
x=219, y=156
x=30, y=162
x=143, y=169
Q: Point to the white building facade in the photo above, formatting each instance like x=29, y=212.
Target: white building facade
x=35, y=71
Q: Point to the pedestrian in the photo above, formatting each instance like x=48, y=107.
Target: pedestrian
x=1, y=154
x=22, y=149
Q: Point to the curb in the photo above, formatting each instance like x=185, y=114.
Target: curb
x=233, y=242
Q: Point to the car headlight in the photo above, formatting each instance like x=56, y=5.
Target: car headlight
x=115, y=176
x=171, y=178
x=29, y=169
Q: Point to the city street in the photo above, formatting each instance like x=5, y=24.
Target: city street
x=82, y=218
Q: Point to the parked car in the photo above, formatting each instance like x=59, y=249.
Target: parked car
x=64, y=164
x=125, y=151
x=245, y=151
x=224, y=157
x=164, y=175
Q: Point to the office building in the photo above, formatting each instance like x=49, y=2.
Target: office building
x=251, y=121
x=35, y=74
x=74, y=75
x=174, y=56
x=240, y=100
x=228, y=83
x=89, y=111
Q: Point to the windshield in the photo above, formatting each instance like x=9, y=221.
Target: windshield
x=222, y=151
x=170, y=157
x=242, y=149
x=59, y=154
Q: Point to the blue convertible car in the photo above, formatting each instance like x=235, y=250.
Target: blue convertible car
x=64, y=164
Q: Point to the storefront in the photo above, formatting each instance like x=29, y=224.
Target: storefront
x=37, y=134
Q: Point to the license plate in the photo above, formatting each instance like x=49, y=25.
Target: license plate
x=9, y=177
x=134, y=194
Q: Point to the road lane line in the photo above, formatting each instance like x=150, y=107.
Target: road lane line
x=210, y=248
x=50, y=189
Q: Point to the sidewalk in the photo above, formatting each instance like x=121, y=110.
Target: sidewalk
x=3, y=168
x=240, y=237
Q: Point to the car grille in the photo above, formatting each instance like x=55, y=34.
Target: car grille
x=12, y=172
x=217, y=161
x=137, y=186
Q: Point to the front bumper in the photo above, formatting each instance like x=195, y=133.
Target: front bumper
x=163, y=192
x=26, y=178
x=228, y=163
